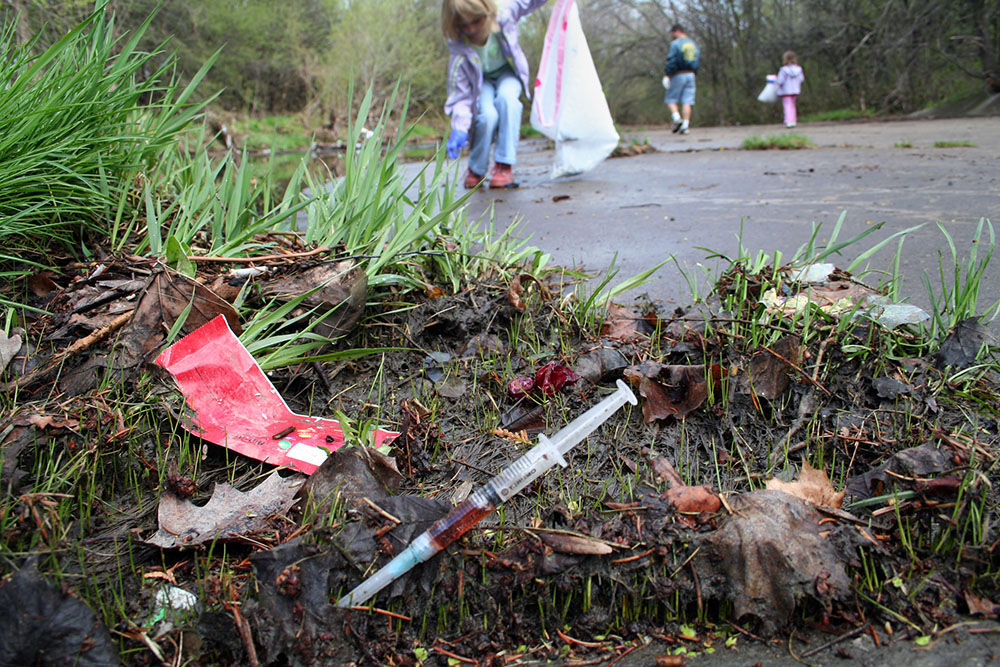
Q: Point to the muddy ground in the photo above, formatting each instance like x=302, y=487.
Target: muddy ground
x=659, y=530
x=658, y=544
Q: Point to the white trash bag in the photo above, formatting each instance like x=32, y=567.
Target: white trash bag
x=569, y=105
x=770, y=93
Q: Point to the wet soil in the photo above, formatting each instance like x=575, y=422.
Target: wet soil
x=507, y=586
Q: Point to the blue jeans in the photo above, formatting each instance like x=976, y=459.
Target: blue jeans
x=498, y=113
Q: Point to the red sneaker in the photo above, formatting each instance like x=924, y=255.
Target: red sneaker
x=472, y=179
x=502, y=176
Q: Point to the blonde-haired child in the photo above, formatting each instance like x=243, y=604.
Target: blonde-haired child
x=487, y=72
x=790, y=78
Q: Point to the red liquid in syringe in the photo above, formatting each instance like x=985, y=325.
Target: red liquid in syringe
x=453, y=525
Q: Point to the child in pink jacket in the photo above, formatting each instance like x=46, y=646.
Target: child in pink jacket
x=487, y=74
x=790, y=78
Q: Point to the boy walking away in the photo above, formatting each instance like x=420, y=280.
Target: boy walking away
x=681, y=66
x=790, y=78
x=487, y=72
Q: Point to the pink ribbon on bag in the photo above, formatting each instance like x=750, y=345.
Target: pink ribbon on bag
x=560, y=16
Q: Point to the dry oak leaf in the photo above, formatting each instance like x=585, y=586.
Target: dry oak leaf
x=621, y=324
x=769, y=555
x=228, y=515
x=813, y=486
x=166, y=298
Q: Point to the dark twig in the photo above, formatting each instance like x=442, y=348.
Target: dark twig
x=836, y=640
x=801, y=371
x=78, y=346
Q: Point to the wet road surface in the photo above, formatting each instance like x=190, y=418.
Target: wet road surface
x=700, y=190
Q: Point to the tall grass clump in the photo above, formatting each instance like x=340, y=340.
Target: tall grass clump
x=406, y=229
x=955, y=297
x=79, y=123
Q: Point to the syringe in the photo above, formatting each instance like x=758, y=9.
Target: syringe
x=484, y=500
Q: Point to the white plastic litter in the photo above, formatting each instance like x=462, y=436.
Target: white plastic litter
x=171, y=605
x=176, y=599
x=892, y=315
x=770, y=93
x=569, y=106
x=814, y=273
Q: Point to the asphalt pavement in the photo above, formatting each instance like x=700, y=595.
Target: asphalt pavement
x=702, y=192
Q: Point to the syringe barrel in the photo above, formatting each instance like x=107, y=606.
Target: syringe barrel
x=549, y=451
x=572, y=433
x=523, y=471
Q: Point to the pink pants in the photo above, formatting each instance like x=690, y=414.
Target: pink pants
x=788, y=102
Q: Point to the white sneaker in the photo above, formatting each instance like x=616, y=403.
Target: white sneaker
x=789, y=124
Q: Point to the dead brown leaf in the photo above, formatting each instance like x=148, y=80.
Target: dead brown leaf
x=228, y=514
x=339, y=300
x=9, y=347
x=904, y=469
x=527, y=417
x=768, y=556
x=667, y=660
x=227, y=288
x=352, y=473
x=164, y=300
x=41, y=284
x=813, y=486
x=600, y=364
x=51, y=421
x=693, y=500
x=664, y=470
x=575, y=544
x=672, y=390
x=981, y=606
x=621, y=324
x=769, y=369
x=517, y=287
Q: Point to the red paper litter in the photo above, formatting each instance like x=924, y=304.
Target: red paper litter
x=236, y=406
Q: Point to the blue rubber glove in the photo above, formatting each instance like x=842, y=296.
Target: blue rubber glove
x=455, y=143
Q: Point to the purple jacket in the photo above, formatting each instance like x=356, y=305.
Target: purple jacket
x=465, y=72
x=790, y=78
